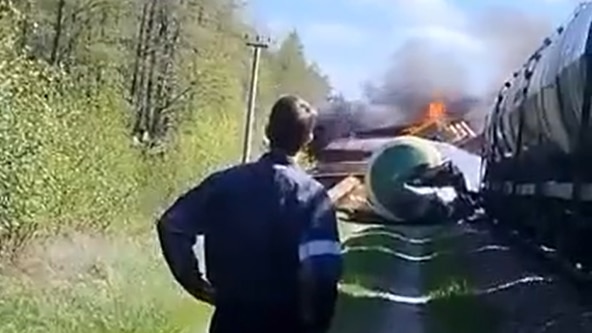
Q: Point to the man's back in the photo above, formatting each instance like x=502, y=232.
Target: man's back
x=272, y=251
x=255, y=227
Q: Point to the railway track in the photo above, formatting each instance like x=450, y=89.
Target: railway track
x=568, y=295
x=550, y=258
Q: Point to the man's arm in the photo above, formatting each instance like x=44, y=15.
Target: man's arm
x=320, y=260
x=320, y=248
x=178, y=229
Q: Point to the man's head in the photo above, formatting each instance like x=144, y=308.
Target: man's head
x=290, y=125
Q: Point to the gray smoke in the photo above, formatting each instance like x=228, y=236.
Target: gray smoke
x=421, y=68
x=511, y=35
x=418, y=72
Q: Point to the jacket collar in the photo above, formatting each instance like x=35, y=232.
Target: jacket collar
x=278, y=157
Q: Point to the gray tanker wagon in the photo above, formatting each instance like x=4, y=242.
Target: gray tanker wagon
x=388, y=169
x=391, y=172
x=538, y=150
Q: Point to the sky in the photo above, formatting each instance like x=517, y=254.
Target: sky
x=353, y=41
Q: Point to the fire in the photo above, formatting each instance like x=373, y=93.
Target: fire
x=436, y=120
x=436, y=111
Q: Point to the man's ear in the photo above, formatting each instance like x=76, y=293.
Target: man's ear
x=267, y=131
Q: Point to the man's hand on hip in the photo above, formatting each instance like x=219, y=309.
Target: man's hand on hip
x=203, y=291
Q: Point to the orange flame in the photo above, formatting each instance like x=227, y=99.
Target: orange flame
x=436, y=111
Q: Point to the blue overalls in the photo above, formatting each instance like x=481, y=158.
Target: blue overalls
x=262, y=222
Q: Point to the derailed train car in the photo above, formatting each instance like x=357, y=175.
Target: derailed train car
x=385, y=165
x=538, y=150
x=369, y=169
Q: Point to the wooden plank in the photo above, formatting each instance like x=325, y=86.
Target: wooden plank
x=343, y=188
x=340, y=166
x=355, y=200
x=342, y=174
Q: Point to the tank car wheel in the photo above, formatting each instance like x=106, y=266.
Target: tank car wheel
x=582, y=247
x=509, y=216
x=562, y=244
x=567, y=242
x=543, y=225
x=559, y=226
x=544, y=231
x=519, y=221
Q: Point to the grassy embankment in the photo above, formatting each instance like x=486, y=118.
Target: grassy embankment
x=100, y=278
x=454, y=307
x=77, y=204
x=366, y=271
x=77, y=201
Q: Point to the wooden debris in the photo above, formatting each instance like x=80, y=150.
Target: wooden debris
x=343, y=188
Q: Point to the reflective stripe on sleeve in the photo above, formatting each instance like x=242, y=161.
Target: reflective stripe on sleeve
x=318, y=248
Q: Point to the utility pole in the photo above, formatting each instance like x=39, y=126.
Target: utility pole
x=257, y=44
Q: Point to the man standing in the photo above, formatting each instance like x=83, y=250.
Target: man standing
x=272, y=251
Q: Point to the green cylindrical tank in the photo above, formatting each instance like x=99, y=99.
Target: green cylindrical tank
x=387, y=171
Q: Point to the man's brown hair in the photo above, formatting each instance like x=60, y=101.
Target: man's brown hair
x=291, y=124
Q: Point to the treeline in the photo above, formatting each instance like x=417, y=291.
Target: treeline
x=109, y=107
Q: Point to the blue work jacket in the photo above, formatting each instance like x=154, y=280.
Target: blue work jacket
x=262, y=221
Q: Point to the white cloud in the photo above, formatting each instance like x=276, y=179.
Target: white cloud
x=334, y=33
x=346, y=79
x=318, y=33
x=419, y=11
x=440, y=21
x=431, y=12
x=447, y=37
x=276, y=29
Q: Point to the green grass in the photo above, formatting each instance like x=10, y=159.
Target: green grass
x=368, y=260
x=374, y=238
x=454, y=308
x=96, y=285
x=357, y=313
x=365, y=272
x=85, y=283
x=117, y=284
